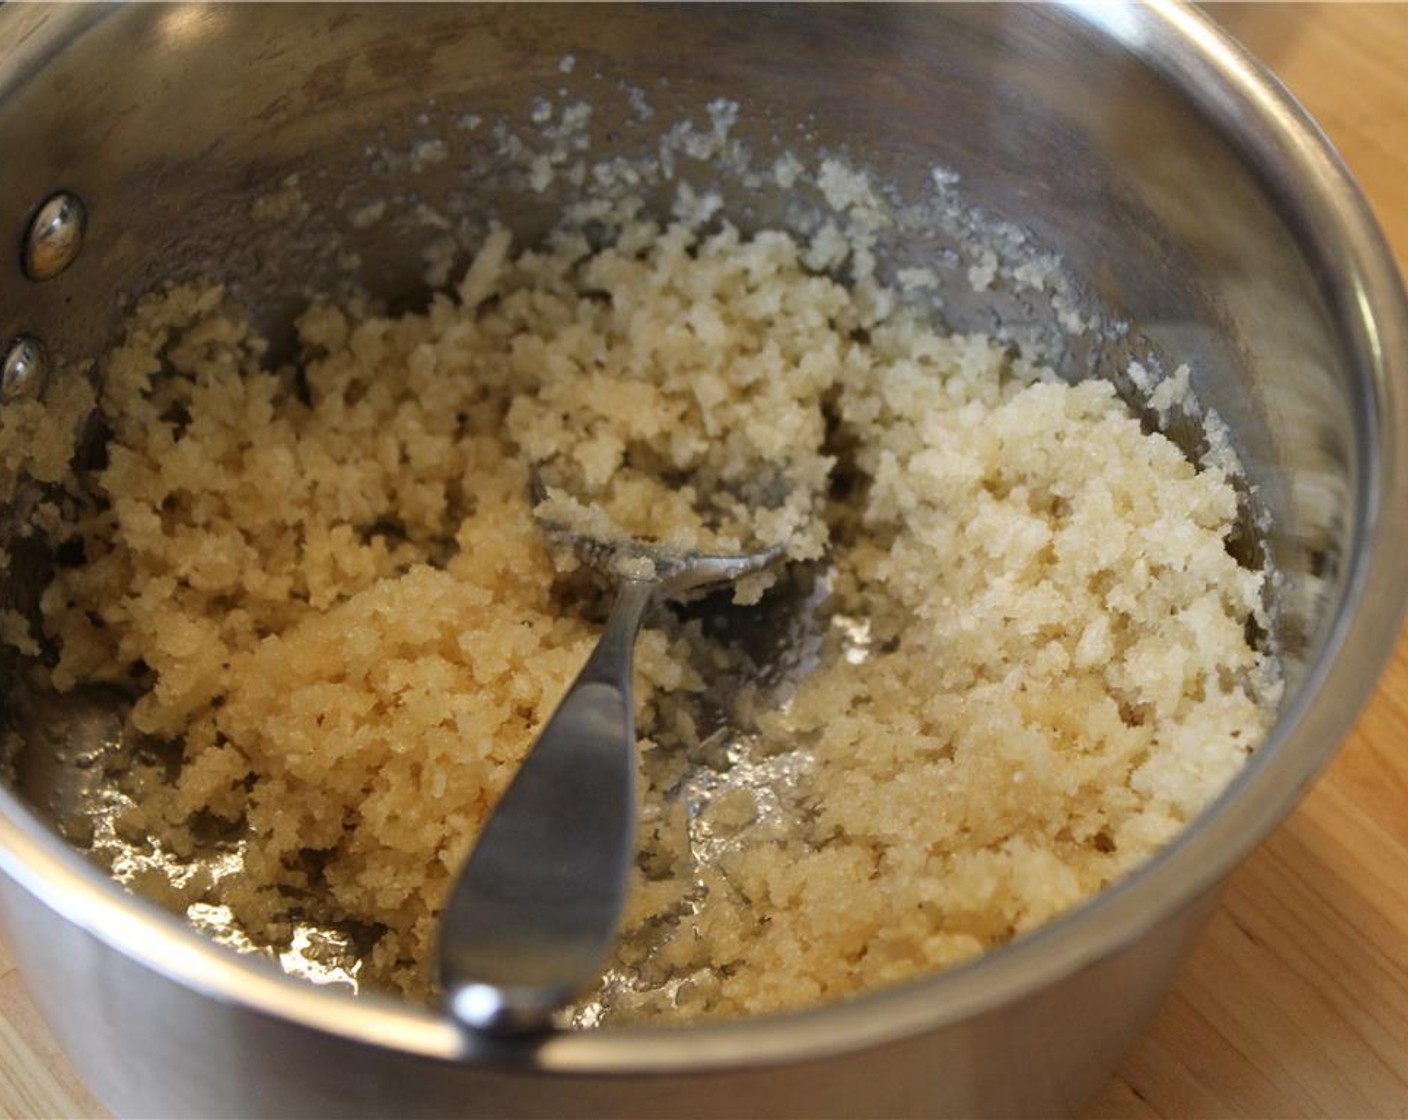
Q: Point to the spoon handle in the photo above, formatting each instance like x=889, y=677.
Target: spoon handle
x=536, y=908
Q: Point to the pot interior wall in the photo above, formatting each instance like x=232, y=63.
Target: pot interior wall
x=1161, y=224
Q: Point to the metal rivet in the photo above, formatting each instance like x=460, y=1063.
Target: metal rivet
x=55, y=236
x=25, y=369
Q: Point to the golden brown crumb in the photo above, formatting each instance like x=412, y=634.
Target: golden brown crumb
x=331, y=588
x=14, y=632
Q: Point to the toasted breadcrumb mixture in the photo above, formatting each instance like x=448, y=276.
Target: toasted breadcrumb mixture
x=326, y=583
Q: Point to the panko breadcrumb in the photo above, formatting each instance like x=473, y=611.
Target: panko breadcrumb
x=326, y=583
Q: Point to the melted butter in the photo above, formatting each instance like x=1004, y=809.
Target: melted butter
x=73, y=759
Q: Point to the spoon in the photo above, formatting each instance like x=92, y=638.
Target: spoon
x=536, y=908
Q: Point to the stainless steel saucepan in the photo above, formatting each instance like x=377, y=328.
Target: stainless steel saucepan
x=1188, y=197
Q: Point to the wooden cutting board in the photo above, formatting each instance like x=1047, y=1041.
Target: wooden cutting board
x=1296, y=1003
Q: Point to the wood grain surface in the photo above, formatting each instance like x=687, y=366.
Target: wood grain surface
x=1296, y=1002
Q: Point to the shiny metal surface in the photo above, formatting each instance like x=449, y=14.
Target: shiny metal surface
x=55, y=235
x=537, y=907
x=24, y=368
x=1185, y=191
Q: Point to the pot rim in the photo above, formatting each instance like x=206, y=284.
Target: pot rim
x=1364, y=293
